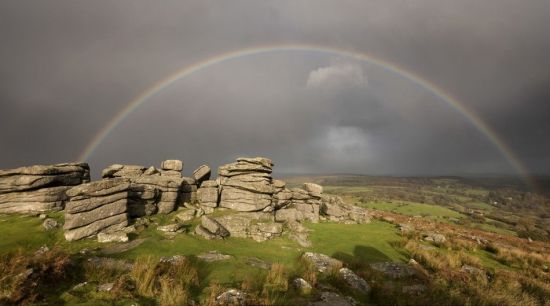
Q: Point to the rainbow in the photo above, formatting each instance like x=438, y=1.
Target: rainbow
x=444, y=96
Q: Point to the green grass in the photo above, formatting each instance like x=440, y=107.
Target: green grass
x=415, y=209
x=370, y=242
x=20, y=232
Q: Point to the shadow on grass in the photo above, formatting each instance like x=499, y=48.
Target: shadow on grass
x=362, y=256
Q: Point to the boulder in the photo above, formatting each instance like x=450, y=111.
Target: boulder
x=172, y=164
x=208, y=194
x=288, y=214
x=186, y=215
x=118, y=170
x=213, y=226
x=243, y=200
x=354, y=281
x=40, y=188
x=40, y=176
x=264, y=231
x=434, y=237
x=95, y=207
x=258, y=226
x=313, y=190
x=50, y=224
x=203, y=232
x=201, y=174
x=231, y=297
x=303, y=286
x=322, y=262
x=34, y=201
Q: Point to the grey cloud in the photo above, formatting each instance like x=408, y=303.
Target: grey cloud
x=66, y=67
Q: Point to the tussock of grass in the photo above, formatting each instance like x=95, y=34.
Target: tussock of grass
x=144, y=274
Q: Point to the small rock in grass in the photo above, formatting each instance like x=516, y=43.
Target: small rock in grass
x=43, y=249
x=42, y=216
x=171, y=228
x=302, y=285
x=354, y=281
x=50, y=224
x=213, y=256
x=105, y=287
x=231, y=297
x=112, y=237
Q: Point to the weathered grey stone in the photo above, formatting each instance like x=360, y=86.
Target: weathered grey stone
x=212, y=256
x=201, y=174
x=303, y=286
x=244, y=165
x=34, y=201
x=434, y=237
x=118, y=170
x=106, y=287
x=354, y=281
x=203, y=232
x=210, y=184
x=112, y=237
x=186, y=215
x=214, y=226
x=241, y=200
x=282, y=199
x=170, y=173
x=299, y=194
x=265, y=231
x=288, y=214
x=314, y=189
x=87, y=204
x=40, y=176
x=322, y=262
x=99, y=188
x=88, y=217
x=172, y=164
x=151, y=171
x=231, y=297
x=255, y=187
x=170, y=228
x=309, y=211
x=208, y=196
x=111, y=224
x=50, y=224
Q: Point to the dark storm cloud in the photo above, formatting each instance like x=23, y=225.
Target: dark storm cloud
x=66, y=67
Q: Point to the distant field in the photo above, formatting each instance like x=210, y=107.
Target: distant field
x=416, y=209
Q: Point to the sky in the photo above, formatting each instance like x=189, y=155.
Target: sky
x=68, y=67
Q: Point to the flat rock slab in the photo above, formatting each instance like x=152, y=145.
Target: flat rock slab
x=322, y=262
x=213, y=256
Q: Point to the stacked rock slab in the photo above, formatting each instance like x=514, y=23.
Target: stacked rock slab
x=246, y=185
x=208, y=195
x=311, y=204
x=153, y=190
x=259, y=226
x=96, y=207
x=39, y=188
x=202, y=174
